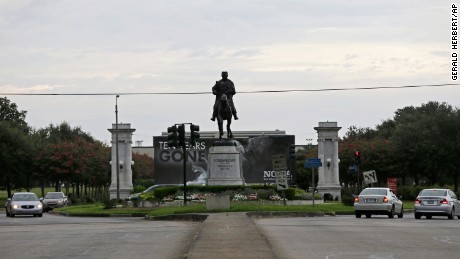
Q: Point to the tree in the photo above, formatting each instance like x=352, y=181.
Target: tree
x=15, y=158
x=142, y=168
x=9, y=113
x=15, y=148
x=425, y=140
x=69, y=155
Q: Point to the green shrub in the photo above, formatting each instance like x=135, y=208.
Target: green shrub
x=265, y=193
x=247, y=191
x=163, y=192
x=348, y=200
x=75, y=201
x=409, y=192
x=90, y=199
x=138, y=188
x=109, y=203
x=289, y=194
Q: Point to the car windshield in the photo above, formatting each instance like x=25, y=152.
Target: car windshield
x=25, y=197
x=55, y=195
x=374, y=192
x=433, y=193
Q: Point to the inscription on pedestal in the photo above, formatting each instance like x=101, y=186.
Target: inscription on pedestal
x=225, y=166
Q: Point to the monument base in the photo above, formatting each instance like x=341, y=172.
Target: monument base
x=225, y=164
x=124, y=192
x=334, y=190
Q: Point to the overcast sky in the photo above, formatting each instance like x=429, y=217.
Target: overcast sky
x=110, y=46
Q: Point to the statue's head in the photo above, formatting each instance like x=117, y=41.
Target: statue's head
x=224, y=74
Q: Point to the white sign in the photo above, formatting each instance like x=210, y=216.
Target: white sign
x=279, y=162
x=281, y=180
x=370, y=177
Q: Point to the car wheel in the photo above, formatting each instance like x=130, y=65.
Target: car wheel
x=452, y=213
x=428, y=217
x=40, y=215
x=392, y=213
x=12, y=215
x=358, y=215
x=401, y=215
x=368, y=215
x=417, y=216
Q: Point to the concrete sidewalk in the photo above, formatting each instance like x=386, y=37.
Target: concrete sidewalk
x=229, y=235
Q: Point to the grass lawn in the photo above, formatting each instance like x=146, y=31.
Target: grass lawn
x=98, y=209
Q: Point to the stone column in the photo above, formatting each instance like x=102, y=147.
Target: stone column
x=328, y=150
x=125, y=156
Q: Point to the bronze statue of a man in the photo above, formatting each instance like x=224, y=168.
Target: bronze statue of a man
x=223, y=86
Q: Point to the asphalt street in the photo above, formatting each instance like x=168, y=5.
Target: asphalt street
x=328, y=237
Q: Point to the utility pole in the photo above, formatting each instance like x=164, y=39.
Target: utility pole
x=116, y=148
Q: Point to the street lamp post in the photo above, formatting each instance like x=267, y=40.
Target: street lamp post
x=312, y=176
x=116, y=148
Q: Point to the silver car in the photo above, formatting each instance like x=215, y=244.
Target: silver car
x=378, y=201
x=23, y=203
x=54, y=200
x=136, y=196
x=437, y=202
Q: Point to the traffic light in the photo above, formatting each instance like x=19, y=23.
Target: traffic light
x=172, y=136
x=181, y=135
x=194, y=134
x=292, y=151
x=357, y=157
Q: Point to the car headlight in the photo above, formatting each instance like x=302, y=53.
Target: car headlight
x=39, y=206
x=59, y=202
x=15, y=206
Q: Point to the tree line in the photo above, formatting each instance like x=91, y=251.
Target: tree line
x=60, y=155
x=418, y=145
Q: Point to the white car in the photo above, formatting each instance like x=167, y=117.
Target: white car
x=24, y=203
x=378, y=201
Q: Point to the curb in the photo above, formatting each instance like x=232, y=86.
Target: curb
x=282, y=214
x=179, y=217
x=139, y=215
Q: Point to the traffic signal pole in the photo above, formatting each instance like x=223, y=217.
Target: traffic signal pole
x=176, y=138
x=357, y=163
x=185, y=174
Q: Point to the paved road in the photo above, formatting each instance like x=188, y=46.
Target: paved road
x=326, y=237
x=348, y=237
x=71, y=237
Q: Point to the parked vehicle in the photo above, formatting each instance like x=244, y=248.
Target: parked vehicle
x=23, y=203
x=378, y=201
x=54, y=200
x=437, y=202
x=136, y=196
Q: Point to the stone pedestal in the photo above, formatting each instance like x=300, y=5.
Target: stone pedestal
x=328, y=152
x=225, y=165
x=218, y=202
x=125, y=133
